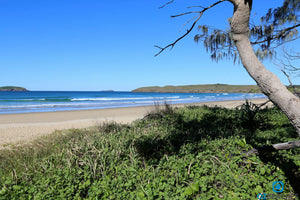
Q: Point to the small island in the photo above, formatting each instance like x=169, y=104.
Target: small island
x=12, y=89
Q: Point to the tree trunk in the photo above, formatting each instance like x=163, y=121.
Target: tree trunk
x=269, y=83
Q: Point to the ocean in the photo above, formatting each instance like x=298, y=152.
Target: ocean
x=48, y=101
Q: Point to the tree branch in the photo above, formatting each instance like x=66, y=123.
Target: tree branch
x=200, y=13
x=291, y=84
x=186, y=13
x=287, y=68
x=287, y=64
x=173, y=44
x=274, y=147
x=276, y=36
x=290, y=56
x=196, y=7
x=288, y=77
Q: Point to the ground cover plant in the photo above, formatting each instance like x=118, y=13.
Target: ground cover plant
x=183, y=153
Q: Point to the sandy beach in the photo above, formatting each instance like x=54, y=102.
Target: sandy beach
x=16, y=128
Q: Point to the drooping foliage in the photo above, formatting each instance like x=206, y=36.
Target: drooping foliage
x=277, y=26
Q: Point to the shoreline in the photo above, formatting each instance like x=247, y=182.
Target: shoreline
x=24, y=127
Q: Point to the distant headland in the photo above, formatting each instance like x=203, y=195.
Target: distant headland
x=208, y=88
x=12, y=88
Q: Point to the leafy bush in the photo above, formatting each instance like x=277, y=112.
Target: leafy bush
x=187, y=153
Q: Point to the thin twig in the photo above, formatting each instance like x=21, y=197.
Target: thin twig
x=166, y=4
x=221, y=162
x=291, y=84
x=189, y=169
x=186, y=13
x=187, y=22
x=196, y=7
x=288, y=77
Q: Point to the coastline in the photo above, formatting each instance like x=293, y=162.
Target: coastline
x=24, y=127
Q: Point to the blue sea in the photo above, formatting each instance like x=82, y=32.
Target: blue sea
x=48, y=101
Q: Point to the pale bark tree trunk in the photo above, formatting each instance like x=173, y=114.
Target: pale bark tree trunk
x=269, y=83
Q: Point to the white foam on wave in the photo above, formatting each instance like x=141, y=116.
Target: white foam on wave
x=40, y=104
x=120, y=99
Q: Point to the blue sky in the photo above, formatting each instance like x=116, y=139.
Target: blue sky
x=91, y=45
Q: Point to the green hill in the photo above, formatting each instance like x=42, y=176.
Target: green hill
x=12, y=88
x=208, y=88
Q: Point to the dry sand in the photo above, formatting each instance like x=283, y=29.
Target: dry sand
x=16, y=128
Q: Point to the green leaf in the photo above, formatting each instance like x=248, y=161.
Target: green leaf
x=262, y=171
x=188, y=191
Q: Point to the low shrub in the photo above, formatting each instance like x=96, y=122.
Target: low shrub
x=187, y=153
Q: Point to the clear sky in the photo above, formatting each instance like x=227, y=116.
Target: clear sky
x=93, y=45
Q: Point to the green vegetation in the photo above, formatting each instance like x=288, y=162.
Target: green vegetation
x=295, y=89
x=209, y=88
x=185, y=153
x=12, y=88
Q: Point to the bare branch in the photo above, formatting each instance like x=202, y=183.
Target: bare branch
x=287, y=67
x=290, y=56
x=286, y=64
x=200, y=13
x=187, y=13
x=166, y=4
x=173, y=44
x=187, y=22
x=288, y=77
x=274, y=147
x=196, y=7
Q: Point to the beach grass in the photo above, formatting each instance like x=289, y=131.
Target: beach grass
x=173, y=153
